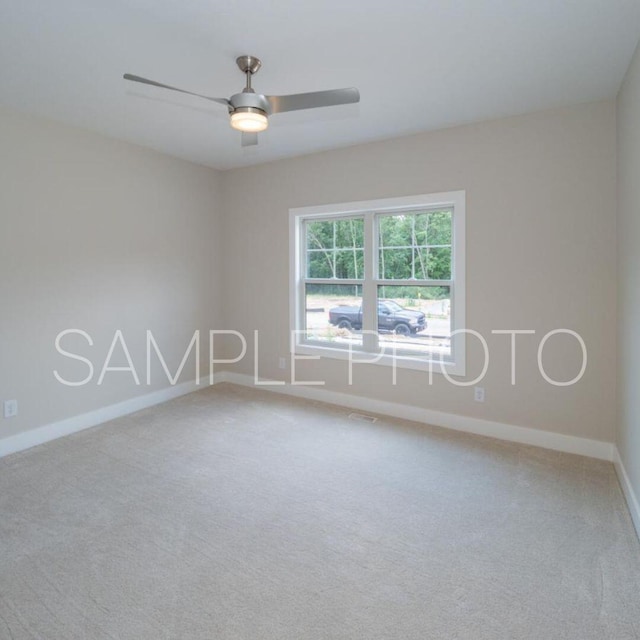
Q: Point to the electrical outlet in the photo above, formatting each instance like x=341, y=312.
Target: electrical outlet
x=282, y=363
x=478, y=394
x=10, y=408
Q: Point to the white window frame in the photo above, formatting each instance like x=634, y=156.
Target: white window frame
x=369, y=209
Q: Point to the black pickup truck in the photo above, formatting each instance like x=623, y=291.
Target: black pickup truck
x=391, y=317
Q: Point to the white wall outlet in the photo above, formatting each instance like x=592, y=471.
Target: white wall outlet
x=478, y=394
x=282, y=363
x=10, y=408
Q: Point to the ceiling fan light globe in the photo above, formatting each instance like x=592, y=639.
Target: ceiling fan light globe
x=249, y=120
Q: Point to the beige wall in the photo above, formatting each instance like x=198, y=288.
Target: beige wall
x=541, y=195
x=99, y=235
x=628, y=436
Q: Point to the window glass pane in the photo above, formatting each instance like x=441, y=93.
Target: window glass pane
x=439, y=263
x=433, y=263
x=433, y=228
x=320, y=264
x=349, y=233
x=415, y=245
x=319, y=234
x=350, y=263
x=395, y=231
x=415, y=320
x=395, y=264
x=333, y=314
x=335, y=248
x=421, y=263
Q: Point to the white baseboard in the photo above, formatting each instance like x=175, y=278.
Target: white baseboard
x=627, y=489
x=47, y=432
x=522, y=435
x=478, y=426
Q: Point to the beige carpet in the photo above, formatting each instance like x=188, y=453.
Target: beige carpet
x=237, y=514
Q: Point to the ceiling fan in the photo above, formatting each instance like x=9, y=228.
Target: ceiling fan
x=249, y=111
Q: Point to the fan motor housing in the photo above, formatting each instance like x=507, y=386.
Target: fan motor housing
x=252, y=100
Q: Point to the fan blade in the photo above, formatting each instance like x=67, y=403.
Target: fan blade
x=297, y=101
x=248, y=139
x=128, y=76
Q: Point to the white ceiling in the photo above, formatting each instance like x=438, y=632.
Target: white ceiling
x=419, y=65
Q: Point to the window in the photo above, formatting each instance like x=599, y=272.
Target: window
x=384, y=279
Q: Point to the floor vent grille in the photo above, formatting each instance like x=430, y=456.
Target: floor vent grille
x=361, y=417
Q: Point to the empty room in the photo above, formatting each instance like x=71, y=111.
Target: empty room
x=319, y=320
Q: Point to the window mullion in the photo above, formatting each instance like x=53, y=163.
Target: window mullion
x=413, y=247
x=369, y=314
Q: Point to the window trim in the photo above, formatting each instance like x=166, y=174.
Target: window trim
x=455, y=200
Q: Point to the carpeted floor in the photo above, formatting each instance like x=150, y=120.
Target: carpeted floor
x=238, y=514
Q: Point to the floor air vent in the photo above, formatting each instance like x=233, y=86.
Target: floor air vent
x=362, y=418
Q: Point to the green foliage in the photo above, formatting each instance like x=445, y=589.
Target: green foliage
x=335, y=248
x=413, y=295
x=406, y=296
x=415, y=246
x=412, y=246
x=342, y=290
